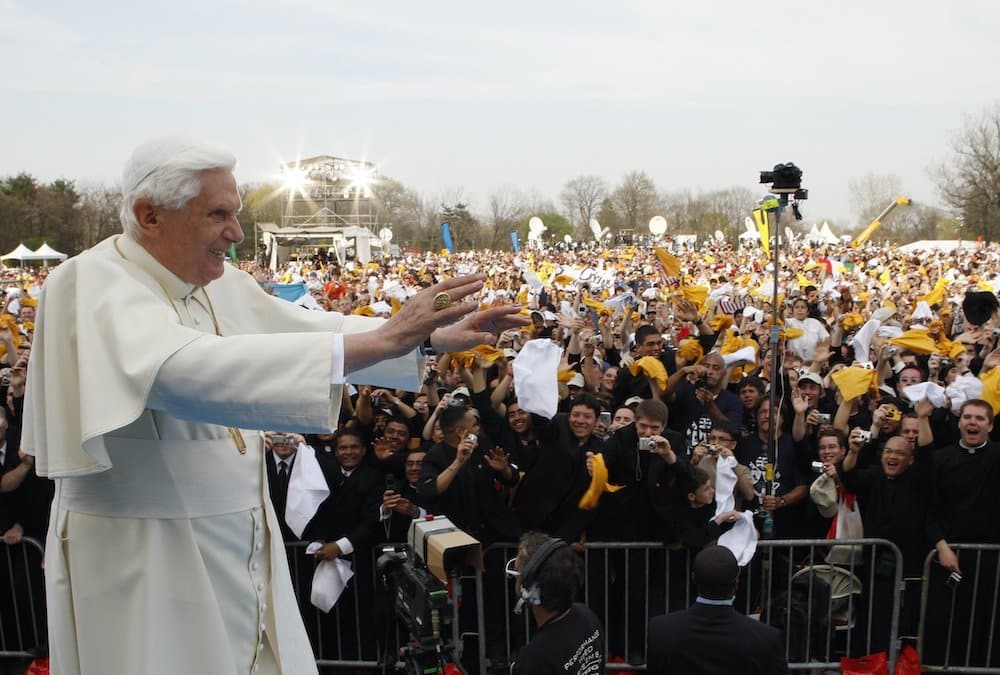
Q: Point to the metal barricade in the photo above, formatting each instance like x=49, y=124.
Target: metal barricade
x=959, y=628
x=346, y=636
x=22, y=604
x=850, y=608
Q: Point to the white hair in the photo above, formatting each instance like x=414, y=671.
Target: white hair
x=167, y=172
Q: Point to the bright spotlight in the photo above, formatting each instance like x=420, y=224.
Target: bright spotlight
x=361, y=178
x=295, y=180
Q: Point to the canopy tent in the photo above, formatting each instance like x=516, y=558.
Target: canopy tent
x=20, y=253
x=46, y=252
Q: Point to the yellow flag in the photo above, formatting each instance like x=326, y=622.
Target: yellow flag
x=671, y=264
x=760, y=217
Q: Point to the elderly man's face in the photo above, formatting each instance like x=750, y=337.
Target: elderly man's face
x=192, y=242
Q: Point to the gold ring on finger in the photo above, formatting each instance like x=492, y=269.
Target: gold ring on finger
x=442, y=301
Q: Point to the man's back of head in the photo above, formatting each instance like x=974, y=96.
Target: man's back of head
x=716, y=573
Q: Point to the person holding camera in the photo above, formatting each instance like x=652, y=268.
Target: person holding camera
x=457, y=479
x=280, y=454
x=699, y=397
x=401, y=503
x=722, y=441
x=894, y=500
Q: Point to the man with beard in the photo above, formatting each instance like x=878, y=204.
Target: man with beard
x=698, y=404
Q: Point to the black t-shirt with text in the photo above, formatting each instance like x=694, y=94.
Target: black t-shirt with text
x=572, y=645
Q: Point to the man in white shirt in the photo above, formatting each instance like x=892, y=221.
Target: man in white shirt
x=153, y=363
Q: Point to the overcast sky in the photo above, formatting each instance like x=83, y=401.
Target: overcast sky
x=440, y=95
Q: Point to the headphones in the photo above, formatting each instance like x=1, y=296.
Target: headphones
x=530, y=589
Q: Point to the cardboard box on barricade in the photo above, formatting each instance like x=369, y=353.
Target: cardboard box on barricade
x=442, y=545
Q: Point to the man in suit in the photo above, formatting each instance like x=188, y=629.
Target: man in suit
x=280, y=457
x=347, y=524
x=711, y=637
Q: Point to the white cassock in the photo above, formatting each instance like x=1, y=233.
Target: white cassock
x=163, y=554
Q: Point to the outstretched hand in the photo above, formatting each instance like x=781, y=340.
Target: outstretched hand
x=480, y=327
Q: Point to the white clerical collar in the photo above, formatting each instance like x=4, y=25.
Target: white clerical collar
x=706, y=601
x=973, y=450
x=347, y=472
x=135, y=253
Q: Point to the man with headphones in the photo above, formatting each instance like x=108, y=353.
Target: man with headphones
x=568, y=638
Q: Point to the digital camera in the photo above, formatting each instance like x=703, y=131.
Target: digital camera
x=647, y=444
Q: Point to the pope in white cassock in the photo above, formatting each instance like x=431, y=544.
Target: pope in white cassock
x=154, y=365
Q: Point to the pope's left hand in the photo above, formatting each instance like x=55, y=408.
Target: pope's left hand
x=480, y=327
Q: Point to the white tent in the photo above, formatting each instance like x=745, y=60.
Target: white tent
x=46, y=252
x=20, y=253
x=827, y=234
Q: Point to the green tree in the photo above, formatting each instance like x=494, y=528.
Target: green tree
x=558, y=227
x=464, y=226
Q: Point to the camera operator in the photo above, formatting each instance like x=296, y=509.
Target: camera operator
x=547, y=576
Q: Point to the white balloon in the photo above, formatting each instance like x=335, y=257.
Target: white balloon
x=567, y=238
x=719, y=236
x=536, y=224
x=385, y=234
x=657, y=225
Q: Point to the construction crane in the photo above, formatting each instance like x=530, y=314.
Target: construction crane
x=867, y=232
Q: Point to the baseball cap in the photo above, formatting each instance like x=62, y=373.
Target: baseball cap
x=809, y=376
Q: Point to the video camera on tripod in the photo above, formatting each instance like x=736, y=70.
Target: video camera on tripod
x=416, y=576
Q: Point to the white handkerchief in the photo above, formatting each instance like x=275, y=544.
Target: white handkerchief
x=329, y=580
x=535, y=370
x=746, y=354
x=725, y=481
x=923, y=311
x=964, y=387
x=929, y=390
x=741, y=539
x=863, y=339
x=307, y=489
x=534, y=283
x=890, y=331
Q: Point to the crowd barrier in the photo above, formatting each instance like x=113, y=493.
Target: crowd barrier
x=858, y=606
x=960, y=622
x=827, y=611
x=22, y=602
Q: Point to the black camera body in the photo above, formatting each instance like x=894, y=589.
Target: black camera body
x=422, y=601
x=785, y=179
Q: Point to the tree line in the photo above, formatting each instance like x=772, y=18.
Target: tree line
x=72, y=217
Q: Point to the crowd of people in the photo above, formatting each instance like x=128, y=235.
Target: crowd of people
x=881, y=364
